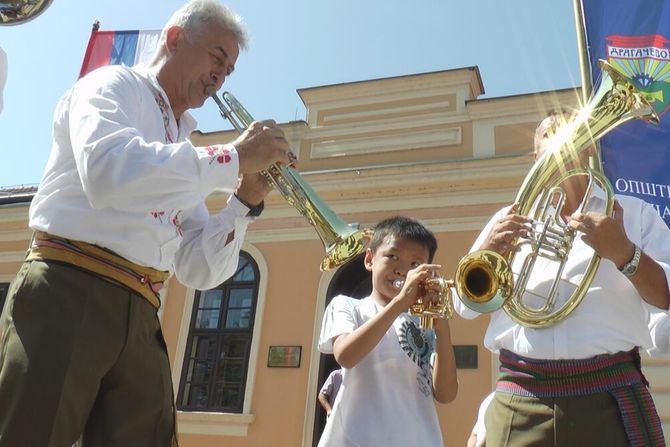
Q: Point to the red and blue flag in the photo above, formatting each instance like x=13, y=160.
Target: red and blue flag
x=119, y=47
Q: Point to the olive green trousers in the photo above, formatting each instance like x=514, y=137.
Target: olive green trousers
x=519, y=421
x=81, y=357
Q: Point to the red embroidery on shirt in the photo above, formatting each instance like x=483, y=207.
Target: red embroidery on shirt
x=166, y=117
x=219, y=154
x=177, y=224
x=173, y=219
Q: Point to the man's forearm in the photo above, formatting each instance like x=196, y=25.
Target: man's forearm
x=651, y=282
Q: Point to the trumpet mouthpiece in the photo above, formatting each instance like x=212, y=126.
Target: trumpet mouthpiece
x=211, y=90
x=398, y=283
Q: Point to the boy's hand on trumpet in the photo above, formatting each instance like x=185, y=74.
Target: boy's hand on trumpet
x=412, y=286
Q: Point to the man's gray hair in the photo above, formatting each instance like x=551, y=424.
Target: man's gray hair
x=196, y=14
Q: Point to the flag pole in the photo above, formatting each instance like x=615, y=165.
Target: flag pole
x=89, y=47
x=585, y=71
x=582, y=49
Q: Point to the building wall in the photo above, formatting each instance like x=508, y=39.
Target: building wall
x=422, y=145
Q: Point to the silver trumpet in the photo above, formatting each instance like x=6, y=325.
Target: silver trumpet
x=341, y=241
x=434, y=302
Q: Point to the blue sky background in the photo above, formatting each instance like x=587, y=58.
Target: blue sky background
x=520, y=46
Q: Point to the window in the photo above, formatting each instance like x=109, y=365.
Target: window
x=4, y=289
x=219, y=341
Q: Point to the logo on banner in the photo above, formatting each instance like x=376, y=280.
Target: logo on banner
x=644, y=60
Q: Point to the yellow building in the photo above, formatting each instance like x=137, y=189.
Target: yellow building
x=246, y=370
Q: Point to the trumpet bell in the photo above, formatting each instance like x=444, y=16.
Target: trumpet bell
x=484, y=280
x=345, y=244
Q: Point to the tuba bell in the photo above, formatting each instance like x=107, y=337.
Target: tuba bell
x=485, y=280
x=14, y=12
x=341, y=241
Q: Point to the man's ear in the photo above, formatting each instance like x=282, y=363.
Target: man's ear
x=367, y=261
x=173, y=38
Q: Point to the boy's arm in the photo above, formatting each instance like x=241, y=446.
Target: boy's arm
x=323, y=399
x=445, y=380
x=350, y=348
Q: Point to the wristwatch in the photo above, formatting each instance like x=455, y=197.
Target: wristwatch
x=630, y=267
x=254, y=211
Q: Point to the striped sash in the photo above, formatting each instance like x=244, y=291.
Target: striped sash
x=619, y=374
x=145, y=281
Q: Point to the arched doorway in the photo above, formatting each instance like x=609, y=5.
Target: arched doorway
x=352, y=280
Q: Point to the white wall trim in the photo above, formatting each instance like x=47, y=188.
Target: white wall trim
x=314, y=360
x=221, y=424
x=13, y=256
x=16, y=235
x=344, y=146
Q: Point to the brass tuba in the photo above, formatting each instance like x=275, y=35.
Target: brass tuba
x=14, y=12
x=341, y=241
x=485, y=280
x=435, y=301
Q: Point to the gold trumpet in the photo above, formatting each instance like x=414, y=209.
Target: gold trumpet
x=341, y=241
x=434, y=301
x=485, y=280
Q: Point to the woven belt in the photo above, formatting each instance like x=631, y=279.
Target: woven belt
x=145, y=281
x=618, y=374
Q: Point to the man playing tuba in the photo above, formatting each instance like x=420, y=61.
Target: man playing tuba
x=578, y=382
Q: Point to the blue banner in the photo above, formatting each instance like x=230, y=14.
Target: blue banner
x=634, y=37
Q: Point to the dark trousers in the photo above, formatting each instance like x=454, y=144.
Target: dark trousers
x=81, y=356
x=520, y=421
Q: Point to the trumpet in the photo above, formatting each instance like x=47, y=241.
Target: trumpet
x=341, y=241
x=434, y=302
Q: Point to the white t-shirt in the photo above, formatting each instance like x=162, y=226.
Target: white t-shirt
x=386, y=400
x=123, y=175
x=612, y=316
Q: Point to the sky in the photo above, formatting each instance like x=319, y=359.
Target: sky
x=520, y=46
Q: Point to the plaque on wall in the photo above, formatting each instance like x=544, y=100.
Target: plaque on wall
x=284, y=356
x=466, y=356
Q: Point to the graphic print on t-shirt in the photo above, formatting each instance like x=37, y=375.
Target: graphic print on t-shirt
x=418, y=345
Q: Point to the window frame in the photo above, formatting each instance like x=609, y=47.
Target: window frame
x=219, y=335
x=211, y=423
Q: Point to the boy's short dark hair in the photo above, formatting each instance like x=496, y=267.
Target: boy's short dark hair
x=404, y=228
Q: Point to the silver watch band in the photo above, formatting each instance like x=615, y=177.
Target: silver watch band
x=630, y=268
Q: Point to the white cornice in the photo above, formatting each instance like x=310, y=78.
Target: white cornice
x=444, y=82
x=23, y=234
x=388, y=142
x=535, y=105
x=396, y=125
x=410, y=111
x=15, y=213
x=12, y=256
